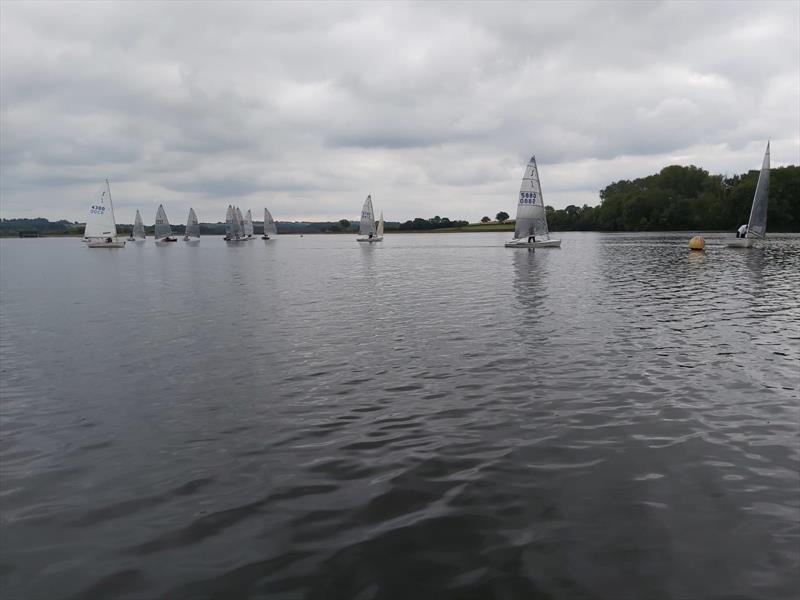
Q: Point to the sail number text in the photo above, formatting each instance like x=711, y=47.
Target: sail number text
x=527, y=197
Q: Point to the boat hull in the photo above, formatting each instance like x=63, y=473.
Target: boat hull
x=527, y=244
x=265, y=237
x=106, y=244
x=166, y=240
x=740, y=243
x=370, y=240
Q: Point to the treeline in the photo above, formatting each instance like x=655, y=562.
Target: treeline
x=685, y=198
x=436, y=222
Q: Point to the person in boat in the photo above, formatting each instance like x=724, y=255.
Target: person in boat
x=370, y=236
x=742, y=231
x=531, y=239
x=108, y=240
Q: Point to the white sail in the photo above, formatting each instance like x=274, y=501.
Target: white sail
x=192, y=225
x=248, y=224
x=162, y=228
x=757, y=225
x=380, y=226
x=367, y=226
x=138, y=227
x=269, y=224
x=238, y=231
x=229, y=223
x=531, y=218
x=100, y=223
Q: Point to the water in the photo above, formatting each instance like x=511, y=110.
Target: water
x=432, y=417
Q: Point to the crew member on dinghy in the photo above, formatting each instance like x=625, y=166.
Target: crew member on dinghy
x=742, y=231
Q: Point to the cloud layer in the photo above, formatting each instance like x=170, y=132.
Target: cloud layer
x=432, y=108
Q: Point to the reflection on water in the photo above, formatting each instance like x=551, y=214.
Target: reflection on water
x=433, y=416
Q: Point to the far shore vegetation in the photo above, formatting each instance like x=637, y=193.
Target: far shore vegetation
x=675, y=199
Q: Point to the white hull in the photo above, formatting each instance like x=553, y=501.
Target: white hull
x=740, y=243
x=104, y=244
x=378, y=238
x=234, y=241
x=524, y=243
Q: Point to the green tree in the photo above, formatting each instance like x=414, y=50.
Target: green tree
x=485, y=220
x=345, y=224
x=502, y=216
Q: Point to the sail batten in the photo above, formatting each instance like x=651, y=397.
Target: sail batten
x=757, y=224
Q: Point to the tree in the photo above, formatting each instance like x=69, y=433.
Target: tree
x=502, y=216
x=345, y=224
x=485, y=220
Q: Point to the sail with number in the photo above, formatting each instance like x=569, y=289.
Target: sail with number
x=248, y=224
x=757, y=224
x=269, y=224
x=192, y=225
x=162, y=228
x=138, y=227
x=367, y=226
x=100, y=223
x=531, y=217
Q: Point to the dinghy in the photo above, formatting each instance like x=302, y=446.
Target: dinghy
x=367, y=227
x=530, y=230
x=163, y=231
x=233, y=225
x=269, y=226
x=192, y=228
x=757, y=224
x=101, y=227
x=138, y=229
x=247, y=225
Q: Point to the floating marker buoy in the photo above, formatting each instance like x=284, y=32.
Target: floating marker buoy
x=697, y=243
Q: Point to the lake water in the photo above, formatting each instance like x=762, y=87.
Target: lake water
x=435, y=416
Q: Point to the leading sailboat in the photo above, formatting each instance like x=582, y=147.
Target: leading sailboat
x=192, y=228
x=163, y=231
x=367, y=227
x=101, y=227
x=269, y=225
x=757, y=224
x=530, y=230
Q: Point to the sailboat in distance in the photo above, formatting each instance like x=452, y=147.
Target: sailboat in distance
x=247, y=225
x=163, y=231
x=367, y=228
x=101, y=227
x=757, y=224
x=530, y=230
x=379, y=232
x=192, y=228
x=138, y=229
x=269, y=225
x=233, y=225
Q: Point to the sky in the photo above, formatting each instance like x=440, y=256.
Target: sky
x=432, y=108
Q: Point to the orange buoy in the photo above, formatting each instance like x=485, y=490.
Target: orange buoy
x=697, y=243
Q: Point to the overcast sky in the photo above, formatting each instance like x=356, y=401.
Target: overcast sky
x=434, y=109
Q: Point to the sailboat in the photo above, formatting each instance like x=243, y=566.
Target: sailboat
x=101, y=227
x=757, y=224
x=531, y=230
x=247, y=225
x=367, y=227
x=192, y=228
x=269, y=226
x=137, y=234
x=163, y=231
x=233, y=225
x=379, y=233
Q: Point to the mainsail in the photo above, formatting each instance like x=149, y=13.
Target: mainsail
x=229, y=223
x=531, y=218
x=367, y=226
x=757, y=225
x=269, y=224
x=192, y=225
x=100, y=223
x=138, y=227
x=238, y=229
x=248, y=224
x=162, y=229
x=380, y=226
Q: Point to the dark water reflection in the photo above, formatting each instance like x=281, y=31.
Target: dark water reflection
x=434, y=417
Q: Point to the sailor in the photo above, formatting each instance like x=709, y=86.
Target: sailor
x=531, y=239
x=108, y=240
x=742, y=231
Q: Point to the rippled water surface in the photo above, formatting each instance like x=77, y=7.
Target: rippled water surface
x=436, y=416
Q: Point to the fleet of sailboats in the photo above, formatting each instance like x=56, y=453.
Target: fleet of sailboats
x=756, y=228
x=192, y=228
x=101, y=227
x=367, y=228
x=530, y=229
